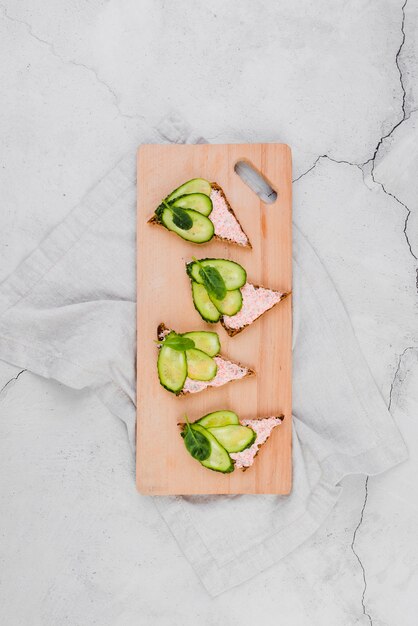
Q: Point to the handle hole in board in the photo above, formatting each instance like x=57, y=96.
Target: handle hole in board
x=251, y=177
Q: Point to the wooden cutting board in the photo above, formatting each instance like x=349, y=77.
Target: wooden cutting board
x=164, y=295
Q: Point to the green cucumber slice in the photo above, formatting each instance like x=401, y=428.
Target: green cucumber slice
x=219, y=459
x=231, y=304
x=196, y=201
x=206, y=341
x=203, y=304
x=218, y=418
x=234, y=275
x=172, y=368
x=234, y=438
x=200, y=366
x=202, y=229
x=196, y=185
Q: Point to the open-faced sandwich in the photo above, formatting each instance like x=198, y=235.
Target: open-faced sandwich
x=221, y=292
x=197, y=211
x=191, y=362
x=221, y=442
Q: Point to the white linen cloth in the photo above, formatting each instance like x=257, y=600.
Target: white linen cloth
x=68, y=313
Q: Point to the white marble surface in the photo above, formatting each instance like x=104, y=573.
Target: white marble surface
x=83, y=83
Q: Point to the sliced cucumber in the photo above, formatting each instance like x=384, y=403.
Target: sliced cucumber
x=231, y=304
x=219, y=459
x=218, y=418
x=196, y=201
x=205, y=340
x=202, y=229
x=196, y=185
x=172, y=368
x=234, y=275
x=200, y=366
x=234, y=438
x=204, y=304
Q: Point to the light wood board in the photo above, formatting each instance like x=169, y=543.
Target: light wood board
x=163, y=464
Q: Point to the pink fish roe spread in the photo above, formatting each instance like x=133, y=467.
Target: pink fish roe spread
x=255, y=301
x=227, y=371
x=226, y=225
x=263, y=428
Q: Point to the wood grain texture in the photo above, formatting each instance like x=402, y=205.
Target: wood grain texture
x=164, y=295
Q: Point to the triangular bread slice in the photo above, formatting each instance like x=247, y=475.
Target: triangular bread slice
x=256, y=300
x=226, y=224
x=263, y=428
x=227, y=372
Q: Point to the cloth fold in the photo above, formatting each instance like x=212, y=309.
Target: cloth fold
x=68, y=313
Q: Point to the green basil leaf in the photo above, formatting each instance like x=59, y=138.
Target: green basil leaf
x=181, y=218
x=177, y=342
x=213, y=281
x=196, y=443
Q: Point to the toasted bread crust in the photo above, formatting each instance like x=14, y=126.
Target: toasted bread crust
x=161, y=330
x=234, y=331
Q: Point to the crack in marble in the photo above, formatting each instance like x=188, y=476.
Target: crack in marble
x=366, y=495
x=65, y=61
x=10, y=381
x=408, y=213
x=377, y=182
x=363, y=570
x=404, y=115
x=326, y=156
x=372, y=159
x=404, y=118
x=395, y=376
